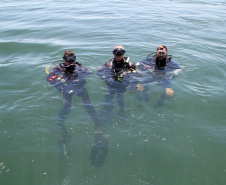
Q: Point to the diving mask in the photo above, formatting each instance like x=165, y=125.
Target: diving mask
x=70, y=58
x=119, y=52
x=161, y=53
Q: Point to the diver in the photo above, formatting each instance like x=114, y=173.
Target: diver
x=118, y=74
x=161, y=68
x=69, y=78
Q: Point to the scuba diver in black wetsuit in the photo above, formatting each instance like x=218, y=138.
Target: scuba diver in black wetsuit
x=117, y=74
x=69, y=78
x=160, y=68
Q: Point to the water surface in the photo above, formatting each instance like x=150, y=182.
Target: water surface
x=183, y=142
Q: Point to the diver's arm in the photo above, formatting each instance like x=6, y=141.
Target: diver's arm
x=52, y=77
x=176, y=72
x=145, y=64
x=86, y=70
x=141, y=66
x=174, y=68
x=173, y=74
x=105, y=74
x=102, y=72
x=136, y=83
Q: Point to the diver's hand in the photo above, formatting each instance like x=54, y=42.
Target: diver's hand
x=172, y=74
x=169, y=92
x=135, y=87
x=140, y=87
x=73, y=76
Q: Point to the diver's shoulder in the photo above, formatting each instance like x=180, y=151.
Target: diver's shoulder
x=58, y=67
x=173, y=61
x=173, y=64
x=146, y=61
x=109, y=63
x=78, y=64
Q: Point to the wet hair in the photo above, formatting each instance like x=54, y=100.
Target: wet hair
x=68, y=52
x=119, y=46
x=161, y=47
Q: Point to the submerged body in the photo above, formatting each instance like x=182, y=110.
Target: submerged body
x=118, y=76
x=69, y=83
x=69, y=78
x=162, y=75
x=160, y=70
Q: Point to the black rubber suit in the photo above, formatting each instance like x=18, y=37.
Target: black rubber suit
x=159, y=73
x=118, y=77
x=70, y=83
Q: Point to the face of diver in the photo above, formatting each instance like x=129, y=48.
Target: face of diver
x=118, y=54
x=69, y=61
x=161, y=57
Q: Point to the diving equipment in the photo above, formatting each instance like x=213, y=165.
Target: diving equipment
x=119, y=52
x=70, y=58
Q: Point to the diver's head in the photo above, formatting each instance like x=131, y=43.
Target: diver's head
x=162, y=47
x=69, y=57
x=118, y=53
x=69, y=61
x=162, y=51
x=161, y=56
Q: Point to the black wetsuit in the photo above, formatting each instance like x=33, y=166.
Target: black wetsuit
x=118, y=77
x=162, y=74
x=70, y=83
x=159, y=74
